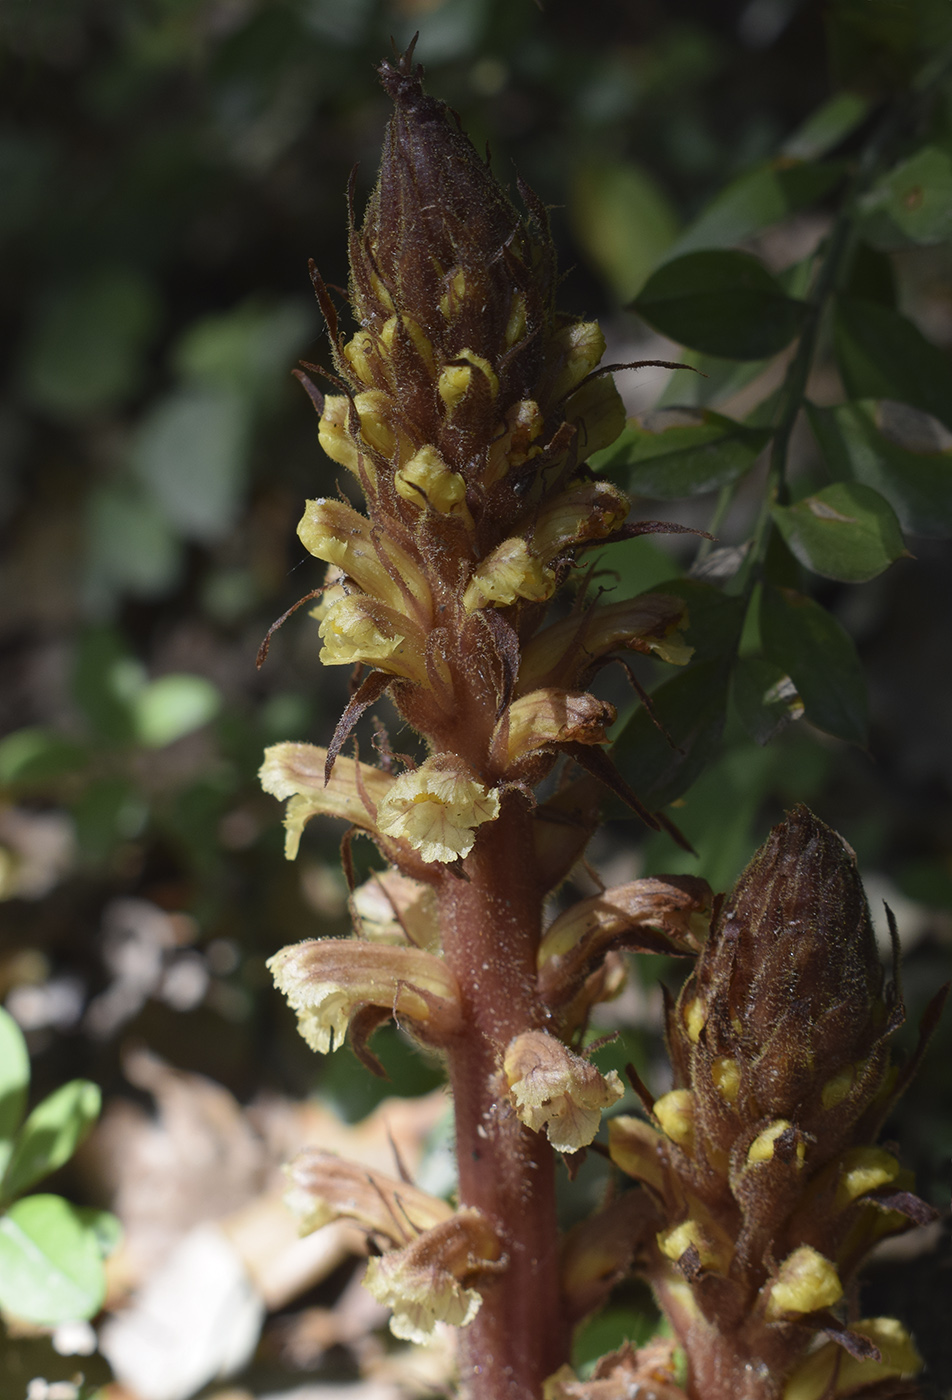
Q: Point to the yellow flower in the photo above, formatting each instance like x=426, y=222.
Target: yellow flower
x=296, y=771
x=325, y=1187
x=511, y=571
x=391, y=907
x=435, y=1278
x=437, y=808
x=356, y=629
x=338, y=534
x=327, y=981
x=552, y=1088
x=830, y=1371
x=805, y=1283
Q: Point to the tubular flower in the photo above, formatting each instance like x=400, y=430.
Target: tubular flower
x=787, y=999
x=553, y=1089
x=329, y=981
x=437, y=1276
x=393, y=908
x=436, y=809
x=296, y=771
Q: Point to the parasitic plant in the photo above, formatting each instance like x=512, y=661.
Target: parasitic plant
x=467, y=409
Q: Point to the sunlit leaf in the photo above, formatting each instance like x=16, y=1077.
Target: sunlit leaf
x=50, y=1262
x=882, y=355
x=918, y=484
x=765, y=698
x=173, y=706
x=912, y=203
x=14, y=1082
x=623, y=220
x=722, y=303
x=191, y=454
x=846, y=531
x=682, y=452
x=50, y=1135
x=808, y=644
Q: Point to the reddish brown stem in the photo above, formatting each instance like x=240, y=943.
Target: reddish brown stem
x=491, y=929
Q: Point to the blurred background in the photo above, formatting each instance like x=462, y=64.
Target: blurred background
x=167, y=167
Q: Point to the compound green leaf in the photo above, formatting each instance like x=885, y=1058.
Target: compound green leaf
x=917, y=483
x=808, y=644
x=765, y=698
x=882, y=355
x=50, y=1262
x=912, y=203
x=50, y=1135
x=846, y=531
x=722, y=303
x=691, y=707
x=673, y=453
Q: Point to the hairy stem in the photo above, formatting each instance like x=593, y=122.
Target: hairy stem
x=491, y=923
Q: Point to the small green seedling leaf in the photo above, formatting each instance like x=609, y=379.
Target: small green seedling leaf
x=50, y=1135
x=692, y=708
x=882, y=355
x=846, y=531
x=912, y=203
x=14, y=1082
x=917, y=483
x=765, y=698
x=50, y=1262
x=806, y=643
x=682, y=452
x=722, y=303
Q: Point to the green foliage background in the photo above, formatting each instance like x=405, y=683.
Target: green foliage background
x=167, y=167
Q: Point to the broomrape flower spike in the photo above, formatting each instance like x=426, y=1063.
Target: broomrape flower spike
x=465, y=407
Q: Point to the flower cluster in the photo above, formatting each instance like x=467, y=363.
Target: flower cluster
x=761, y=1163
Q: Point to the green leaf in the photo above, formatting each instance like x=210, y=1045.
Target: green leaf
x=882, y=355
x=846, y=531
x=85, y=350
x=173, y=706
x=130, y=546
x=14, y=1082
x=722, y=303
x=105, y=678
x=756, y=200
x=623, y=220
x=917, y=483
x=765, y=698
x=191, y=454
x=51, y=1135
x=246, y=349
x=912, y=203
x=682, y=452
x=691, y=707
x=716, y=381
x=36, y=755
x=811, y=647
x=104, y=1227
x=50, y=1262
x=825, y=128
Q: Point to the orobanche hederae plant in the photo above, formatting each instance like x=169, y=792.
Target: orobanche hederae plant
x=467, y=407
